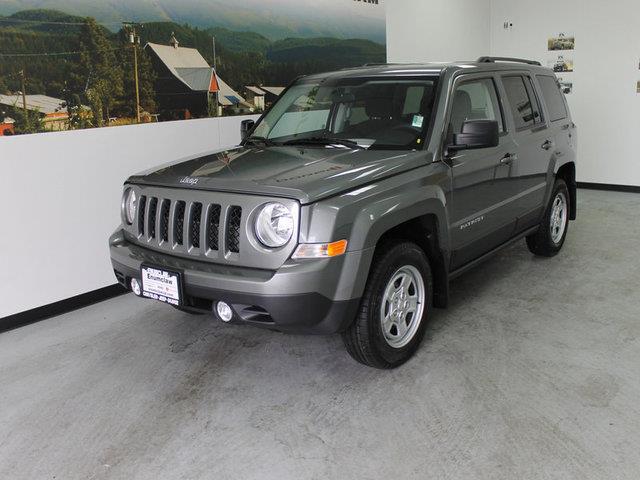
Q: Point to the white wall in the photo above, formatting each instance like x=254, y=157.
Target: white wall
x=604, y=102
x=60, y=195
x=437, y=30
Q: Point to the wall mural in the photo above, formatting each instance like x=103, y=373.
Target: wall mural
x=68, y=64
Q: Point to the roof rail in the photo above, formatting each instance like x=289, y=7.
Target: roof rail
x=507, y=59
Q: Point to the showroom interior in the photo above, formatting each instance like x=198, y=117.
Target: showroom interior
x=530, y=372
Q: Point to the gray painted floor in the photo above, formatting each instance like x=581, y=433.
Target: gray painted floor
x=534, y=372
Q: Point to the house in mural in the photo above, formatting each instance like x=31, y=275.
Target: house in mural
x=6, y=126
x=53, y=111
x=255, y=96
x=229, y=99
x=262, y=97
x=186, y=85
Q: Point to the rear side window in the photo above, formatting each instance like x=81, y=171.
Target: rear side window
x=535, y=104
x=553, y=98
x=524, y=106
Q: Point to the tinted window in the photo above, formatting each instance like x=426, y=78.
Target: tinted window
x=535, y=104
x=523, y=111
x=553, y=98
x=374, y=113
x=475, y=100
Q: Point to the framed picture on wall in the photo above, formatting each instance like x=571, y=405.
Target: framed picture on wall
x=565, y=86
x=560, y=64
x=561, y=42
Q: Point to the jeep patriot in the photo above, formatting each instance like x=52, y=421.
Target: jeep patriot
x=355, y=199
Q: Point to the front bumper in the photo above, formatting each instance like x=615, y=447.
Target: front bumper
x=312, y=296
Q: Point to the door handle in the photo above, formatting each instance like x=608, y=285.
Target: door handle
x=548, y=145
x=508, y=159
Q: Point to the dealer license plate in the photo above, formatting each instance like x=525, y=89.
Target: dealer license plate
x=161, y=285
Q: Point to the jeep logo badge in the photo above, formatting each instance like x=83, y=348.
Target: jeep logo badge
x=189, y=180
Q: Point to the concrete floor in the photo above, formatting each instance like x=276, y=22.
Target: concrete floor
x=534, y=372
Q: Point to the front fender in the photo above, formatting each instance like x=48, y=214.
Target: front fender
x=363, y=215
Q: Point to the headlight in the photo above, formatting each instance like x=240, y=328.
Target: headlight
x=129, y=204
x=274, y=225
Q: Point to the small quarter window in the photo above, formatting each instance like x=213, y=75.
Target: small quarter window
x=552, y=97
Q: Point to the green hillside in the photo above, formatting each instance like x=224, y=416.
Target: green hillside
x=240, y=41
x=329, y=51
x=28, y=20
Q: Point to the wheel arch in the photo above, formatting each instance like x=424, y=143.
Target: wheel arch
x=425, y=231
x=567, y=172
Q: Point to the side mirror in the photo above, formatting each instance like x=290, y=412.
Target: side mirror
x=245, y=127
x=476, y=134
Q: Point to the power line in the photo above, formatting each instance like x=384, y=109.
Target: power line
x=45, y=22
x=54, y=54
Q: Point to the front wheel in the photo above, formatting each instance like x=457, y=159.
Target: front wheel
x=551, y=234
x=394, y=309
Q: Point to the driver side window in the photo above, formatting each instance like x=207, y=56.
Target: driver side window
x=475, y=100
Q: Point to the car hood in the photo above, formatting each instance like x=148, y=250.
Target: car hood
x=305, y=174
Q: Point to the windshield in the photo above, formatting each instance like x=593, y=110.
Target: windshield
x=351, y=113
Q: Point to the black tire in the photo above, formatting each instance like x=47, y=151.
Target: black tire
x=542, y=243
x=364, y=338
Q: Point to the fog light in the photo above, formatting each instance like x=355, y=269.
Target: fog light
x=135, y=286
x=224, y=311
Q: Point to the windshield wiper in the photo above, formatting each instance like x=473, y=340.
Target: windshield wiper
x=255, y=140
x=324, y=141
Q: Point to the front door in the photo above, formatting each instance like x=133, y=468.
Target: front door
x=480, y=212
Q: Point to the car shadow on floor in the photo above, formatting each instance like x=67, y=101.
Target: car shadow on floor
x=219, y=344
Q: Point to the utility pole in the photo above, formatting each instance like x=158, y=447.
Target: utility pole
x=215, y=72
x=213, y=40
x=134, y=39
x=24, y=94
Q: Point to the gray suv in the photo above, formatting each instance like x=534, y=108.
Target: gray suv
x=351, y=203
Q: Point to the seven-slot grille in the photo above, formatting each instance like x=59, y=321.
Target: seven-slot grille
x=168, y=222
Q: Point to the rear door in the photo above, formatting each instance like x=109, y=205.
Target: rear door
x=480, y=215
x=535, y=146
x=562, y=129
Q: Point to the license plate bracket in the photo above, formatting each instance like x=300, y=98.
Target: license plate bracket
x=161, y=284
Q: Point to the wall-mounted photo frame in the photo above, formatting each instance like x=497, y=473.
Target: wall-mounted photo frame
x=561, y=64
x=565, y=86
x=562, y=41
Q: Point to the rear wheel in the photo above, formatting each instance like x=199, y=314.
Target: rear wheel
x=394, y=308
x=550, y=237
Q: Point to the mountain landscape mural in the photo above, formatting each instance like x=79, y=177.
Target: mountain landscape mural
x=275, y=19
x=79, y=51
